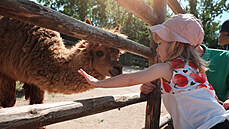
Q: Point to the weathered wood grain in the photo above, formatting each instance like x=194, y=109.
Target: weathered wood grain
x=36, y=14
x=33, y=116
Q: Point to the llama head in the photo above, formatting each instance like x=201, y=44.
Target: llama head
x=105, y=58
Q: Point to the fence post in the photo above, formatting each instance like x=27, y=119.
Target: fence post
x=154, y=98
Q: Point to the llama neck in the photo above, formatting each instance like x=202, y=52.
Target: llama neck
x=67, y=76
x=73, y=59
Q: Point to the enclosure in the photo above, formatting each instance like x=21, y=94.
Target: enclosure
x=45, y=114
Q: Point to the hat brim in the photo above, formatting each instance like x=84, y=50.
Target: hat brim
x=167, y=34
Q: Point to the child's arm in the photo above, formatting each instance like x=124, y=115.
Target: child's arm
x=226, y=105
x=160, y=70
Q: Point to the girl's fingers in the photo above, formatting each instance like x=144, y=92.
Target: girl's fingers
x=148, y=88
x=81, y=72
x=145, y=89
x=84, y=73
x=87, y=76
x=150, y=85
x=90, y=79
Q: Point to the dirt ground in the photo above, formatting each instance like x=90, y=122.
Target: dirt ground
x=129, y=117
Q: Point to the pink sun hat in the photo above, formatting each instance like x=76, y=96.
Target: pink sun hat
x=182, y=28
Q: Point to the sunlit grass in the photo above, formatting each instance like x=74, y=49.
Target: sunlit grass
x=19, y=89
x=19, y=86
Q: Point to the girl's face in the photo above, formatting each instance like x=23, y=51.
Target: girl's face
x=162, y=48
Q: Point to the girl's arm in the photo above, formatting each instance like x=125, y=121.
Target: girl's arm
x=160, y=70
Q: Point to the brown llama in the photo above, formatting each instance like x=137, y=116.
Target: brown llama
x=38, y=58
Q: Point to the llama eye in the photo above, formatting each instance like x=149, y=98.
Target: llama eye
x=100, y=53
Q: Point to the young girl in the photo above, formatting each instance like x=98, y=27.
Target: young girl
x=187, y=95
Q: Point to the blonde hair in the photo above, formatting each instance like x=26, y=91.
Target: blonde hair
x=185, y=51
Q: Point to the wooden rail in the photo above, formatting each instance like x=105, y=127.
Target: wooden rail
x=140, y=9
x=36, y=14
x=45, y=114
x=175, y=6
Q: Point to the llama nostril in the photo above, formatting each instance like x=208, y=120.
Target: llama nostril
x=119, y=67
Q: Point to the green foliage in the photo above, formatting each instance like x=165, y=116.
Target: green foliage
x=108, y=13
x=103, y=13
x=207, y=11
x=19, y=86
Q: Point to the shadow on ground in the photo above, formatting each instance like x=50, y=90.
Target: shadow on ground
x=19, y=93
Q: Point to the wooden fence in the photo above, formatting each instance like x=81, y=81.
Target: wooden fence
x=129, y=59
x=34, y=116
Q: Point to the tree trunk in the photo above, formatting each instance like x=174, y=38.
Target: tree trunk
x=140, y=9
x=175, y=6
x=153, y=107
x=193, y=5
x=36, y=14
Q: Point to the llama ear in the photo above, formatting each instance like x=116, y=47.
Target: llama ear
x=117, y=28
x=88, y=21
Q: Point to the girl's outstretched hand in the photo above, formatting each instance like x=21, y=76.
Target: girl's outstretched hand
x=91, y=80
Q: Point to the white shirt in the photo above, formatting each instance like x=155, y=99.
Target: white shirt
x=190, y=99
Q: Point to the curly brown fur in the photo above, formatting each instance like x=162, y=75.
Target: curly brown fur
x=33, y=93
x=38, y=57
x=7, y=91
